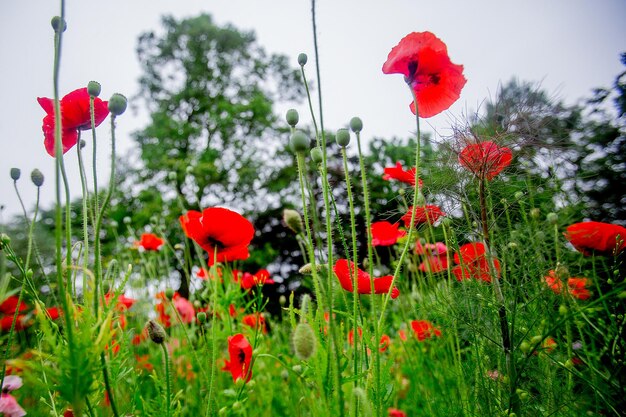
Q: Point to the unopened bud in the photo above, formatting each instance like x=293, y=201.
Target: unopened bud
x=299, y=142
x=169, y=293
x=518, y=195
x=293, y=220
x=82, y=144
x=201, y=316
x=304, y=341
x=94, y=88
x=117, y=104
x=302, y=59
x=356, y=124
x=316, y=155
x=306, y=269
x=552, y=218
x=535, y=213
x=282, y=300
x=15, y=174
x=156, y=332
x=4, y=240
x=343, y=137
x=292, y=117
x=524, y=347
x=58, y=24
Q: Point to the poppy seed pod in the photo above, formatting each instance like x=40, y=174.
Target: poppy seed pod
x=302, y=59
x=15, y=174
x=356, y=124
x=292, y=117
x=36, y=177
x=94, y=88
x=58, y=24
x=155, y=332
x=343, y=137
x=299, y=142
x=117, y=104
x=293, y=220
x=304, y=341
x=316, y=155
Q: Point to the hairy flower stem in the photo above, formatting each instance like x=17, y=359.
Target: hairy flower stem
x=497, y=290
x=96, y=204
x=85, y=196
x=168, y=398
x=355, y=292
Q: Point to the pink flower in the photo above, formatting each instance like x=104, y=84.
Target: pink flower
x=9, y=406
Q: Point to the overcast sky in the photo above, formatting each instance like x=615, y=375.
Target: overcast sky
x=569, y=46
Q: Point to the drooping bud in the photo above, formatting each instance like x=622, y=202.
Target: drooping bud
x=316, y=155
x=156, y=332
x=302, y=59
x=292, y=117
x=58, y=24
x=94, y=88
x=356, y=124
x=304, y=341
x=293, y=220
x=343, y=137
x=15, y=174
x=117, y=104
x=36, y=177
x=299, y=142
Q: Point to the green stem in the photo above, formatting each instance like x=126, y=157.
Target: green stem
x=167, y=380
x=83, y=183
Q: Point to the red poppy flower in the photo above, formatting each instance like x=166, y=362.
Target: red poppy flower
x=577, y=287
x=21, y=323
x=9, y=305
x=143, y=362
x=53, y=313
x=423, y=329
x=123, y=302
x=472, y=262
x=183, y=306
x=398, y=173
x=247, y=280
x=394, y=412
x=351, y=335
x=436, y=258
x=75, y=116
x=219, y=230
x=485, y=159
x=597, y=237
x=423, y=60
x=385, y=341
x=423, y=214
x=344, y=270
x=240, y=352
x=255, y=321
x=385, y=233
x=150, y=242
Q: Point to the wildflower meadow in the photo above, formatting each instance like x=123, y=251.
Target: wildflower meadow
x=251, y=263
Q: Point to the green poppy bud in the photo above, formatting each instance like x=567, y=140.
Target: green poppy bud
x=4, y=240
x=117, y=104
x=293, y=220
x=562, y=310
x=518, y=195
x=306, y=269
x=36, y=177
x=304, y=341
x=524, y=347
x=58, y=24
x=297, y=369
x=299, y=142
x=356, y=124
x=552, y=218
x=282, y=300
x=316, y=155
x=536, y=339
x=343, y=137
x=201, y=316
x=512, y=245
x=535, y=213
x=15, y=174
x=156, y=332
x=292, y=117
x=302, y=59
x=169, y=293
x=94, y=88
x=82, y=144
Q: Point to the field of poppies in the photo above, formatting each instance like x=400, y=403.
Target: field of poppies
x=465, y=294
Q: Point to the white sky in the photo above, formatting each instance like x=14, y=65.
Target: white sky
x=570, y=46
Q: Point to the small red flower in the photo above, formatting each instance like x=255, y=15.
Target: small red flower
x=485, y=159
x=472, y=262
x=385, y=233
x=596, y=237
x=183, y=306
x=75, y=116
x=240, y=352
x=577, y=287
x=9, y=305
x=351, y=335
x=150, y=242
x=436, y=258
x=255, y=321
x=247, y=280
x=385, y=342
x=394, y=412
x=344, y=270
x=143, y=362
x=423, y=329
x=423, y=60
x=219, y=231
x=21, y=323
x=423, y=214
x=398, y=173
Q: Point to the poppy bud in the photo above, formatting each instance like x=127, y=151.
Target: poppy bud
x=127, y=220
x=58, y=24
x=535, y=213
x=15, y=174
x=536, y=339
x=117, y=104
x=94, y=88
x=293, y=220
x=306, y=269
x=299, y=142
x=201, y=316
x=552, y=218
x=172, y=176
x=304, y=341
x=292, y=117
x=518, y=195
x=282, y=300
x=343, y=137
x=302, y=59
x=237, y=406
x=82, y=144
x=169, y=293
x=297, y=368
x=524, y=347
x=4, y=240
x=356, y=124
x=156, y=332
x=316, y=155
x=512, y=245
x=562, y=310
